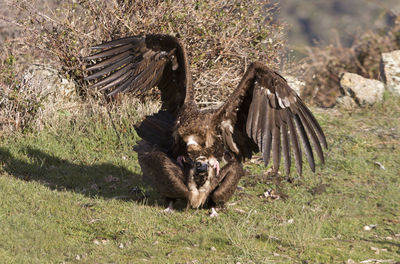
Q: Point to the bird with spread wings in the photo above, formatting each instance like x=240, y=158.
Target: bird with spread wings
x=196, y=155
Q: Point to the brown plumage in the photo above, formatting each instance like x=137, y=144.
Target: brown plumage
x=183, y=146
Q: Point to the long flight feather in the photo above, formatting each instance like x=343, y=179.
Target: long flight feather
x=314, y=122
x=295, y=142
x=285, y=141
x=314, y=139
x=276, y=142
x=109, y=69
x=267, y=137
x=119, y=42
x=110, y=52
x=109, y=61
x=306, y=142
x=113, y=76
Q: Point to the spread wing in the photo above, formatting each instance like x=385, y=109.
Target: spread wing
x=137, y=64
x=265, y=114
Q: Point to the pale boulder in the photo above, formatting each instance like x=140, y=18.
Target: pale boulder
x=391, y=70
x=360, y=90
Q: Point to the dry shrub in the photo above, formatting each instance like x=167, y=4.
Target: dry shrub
x=222, y=37
x=324, y=65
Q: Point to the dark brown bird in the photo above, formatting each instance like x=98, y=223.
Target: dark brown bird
x=197, y=155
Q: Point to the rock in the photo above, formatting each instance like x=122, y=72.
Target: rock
x=346, y=101
x=361, y=90
x=52, y=93
x=391, y=70
x=295, y=84
x=369, y=227
x=47, y=82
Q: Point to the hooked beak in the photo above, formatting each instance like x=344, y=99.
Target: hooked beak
x=201, y=166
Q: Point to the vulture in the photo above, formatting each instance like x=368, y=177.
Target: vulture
x=197, y=155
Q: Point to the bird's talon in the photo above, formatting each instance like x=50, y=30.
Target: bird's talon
x=170, y=208
x=213, y=212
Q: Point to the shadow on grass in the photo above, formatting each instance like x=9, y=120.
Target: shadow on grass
x=383, y=242
x=104, y=180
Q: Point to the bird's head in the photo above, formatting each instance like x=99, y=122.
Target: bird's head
x=198, y=153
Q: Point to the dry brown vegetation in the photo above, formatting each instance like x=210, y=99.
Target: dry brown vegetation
x=222, y=37
x=324, y=65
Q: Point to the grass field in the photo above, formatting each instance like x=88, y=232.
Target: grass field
x=74, y=195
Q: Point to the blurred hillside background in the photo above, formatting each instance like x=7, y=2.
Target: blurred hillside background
x=315, y=22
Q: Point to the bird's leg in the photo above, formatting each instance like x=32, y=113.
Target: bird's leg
x=216, y=167
x=215, y=164
x=213, y=212
x=226, y=183
x=170, y=208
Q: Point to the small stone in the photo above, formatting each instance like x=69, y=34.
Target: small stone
x=380, y=165
x=213, y=249
x=271, y=194
x=346, y=102
x=111, y=178
x=94, y=187
x=350, y=261
x=369, y=227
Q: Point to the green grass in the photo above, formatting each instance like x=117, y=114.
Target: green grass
x=74, y=194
